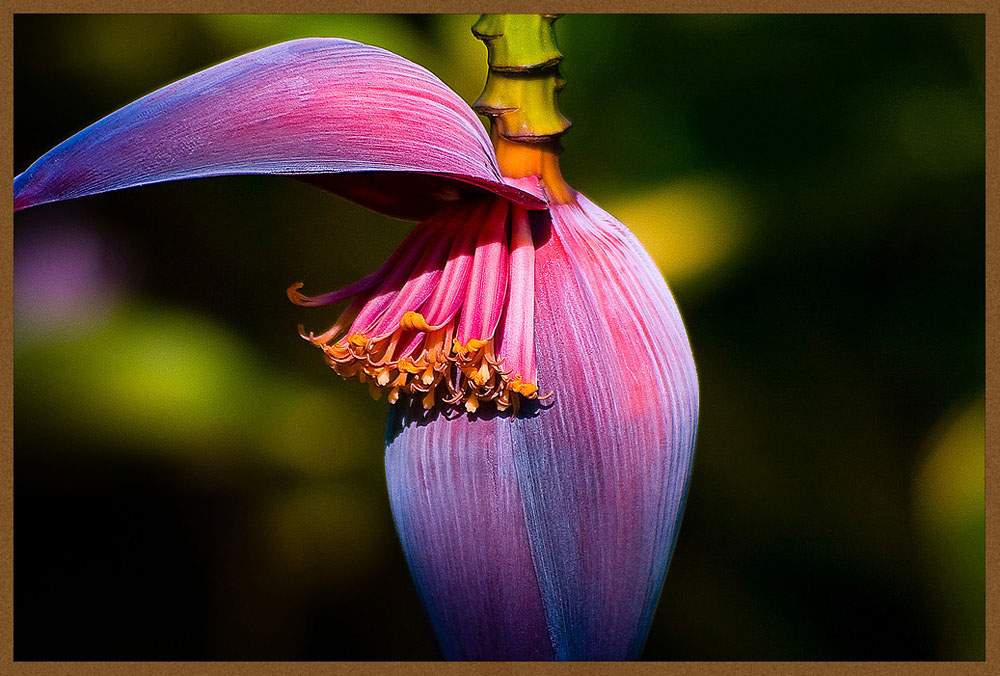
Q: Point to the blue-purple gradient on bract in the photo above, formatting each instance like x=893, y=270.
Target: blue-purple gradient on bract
x=549, y=535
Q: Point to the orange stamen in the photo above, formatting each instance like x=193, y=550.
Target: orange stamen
x=414, y=321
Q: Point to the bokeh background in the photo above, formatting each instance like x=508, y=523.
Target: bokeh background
x=191, y=482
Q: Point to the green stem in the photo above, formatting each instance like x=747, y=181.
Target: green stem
x=522, y=88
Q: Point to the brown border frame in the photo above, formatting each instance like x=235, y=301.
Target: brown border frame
x=992, y=278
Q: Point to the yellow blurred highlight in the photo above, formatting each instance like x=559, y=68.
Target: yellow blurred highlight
x=689, y=227
x=185, y=388
x=949, y=494
x=306, y=428
x=148, y=378
x=950, y=485
x=166, y=387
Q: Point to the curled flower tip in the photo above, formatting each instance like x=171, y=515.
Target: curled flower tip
x=296, y=297
x=414, y=321
x=303, y=300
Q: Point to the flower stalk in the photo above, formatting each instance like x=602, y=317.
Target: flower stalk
x=521, y=97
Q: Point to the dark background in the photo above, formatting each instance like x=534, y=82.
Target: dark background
x=191, y=482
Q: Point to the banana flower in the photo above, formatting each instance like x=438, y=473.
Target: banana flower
x=543, y=395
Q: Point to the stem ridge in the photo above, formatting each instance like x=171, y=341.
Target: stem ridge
x=523, y=84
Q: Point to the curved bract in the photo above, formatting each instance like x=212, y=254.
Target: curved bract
x=570, y=509
x=311, y=106
x=540, y=524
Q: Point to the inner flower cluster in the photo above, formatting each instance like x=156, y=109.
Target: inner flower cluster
x=448, y=317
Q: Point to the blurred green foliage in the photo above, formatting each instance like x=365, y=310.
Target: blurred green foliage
x=191, y=482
